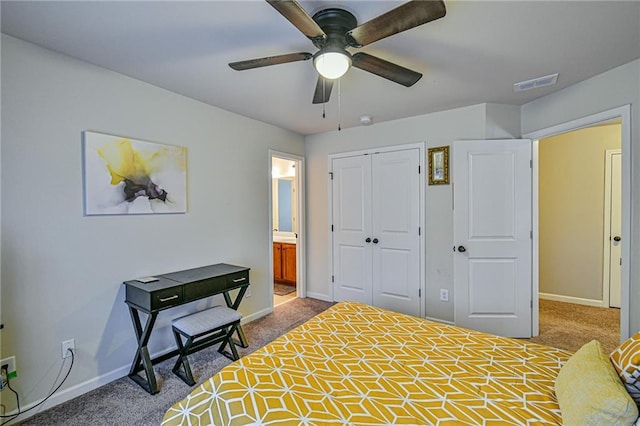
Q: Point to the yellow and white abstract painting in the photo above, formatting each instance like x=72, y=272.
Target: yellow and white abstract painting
x=129, y=176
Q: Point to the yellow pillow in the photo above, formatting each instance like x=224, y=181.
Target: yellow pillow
x=590, y=392
x=626, y=360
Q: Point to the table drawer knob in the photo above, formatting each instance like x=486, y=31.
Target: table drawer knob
x=239, y=280
x=166, y=299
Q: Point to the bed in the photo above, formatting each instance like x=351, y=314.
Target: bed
x=358, y=364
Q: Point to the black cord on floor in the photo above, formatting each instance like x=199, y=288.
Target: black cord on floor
x=15, y=415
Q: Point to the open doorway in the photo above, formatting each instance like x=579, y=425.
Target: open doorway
x=287, y=215
x=583, y=258
x=574, y=207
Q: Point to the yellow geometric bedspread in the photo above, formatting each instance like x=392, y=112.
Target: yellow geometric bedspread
x=357, y=364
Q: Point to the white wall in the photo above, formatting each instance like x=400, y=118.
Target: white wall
x=612, y=89
x=441, y=128
x=61, y=271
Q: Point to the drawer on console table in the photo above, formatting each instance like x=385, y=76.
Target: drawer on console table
x=154, y=296
x=204, y=288
x=215, y=285
x=238, y=278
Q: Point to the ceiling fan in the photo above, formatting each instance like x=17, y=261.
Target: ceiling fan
x=334, y=30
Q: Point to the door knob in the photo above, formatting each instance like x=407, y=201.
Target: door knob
x=375, y=241
x=368, y=240
x=461, y=249
x=616, y=238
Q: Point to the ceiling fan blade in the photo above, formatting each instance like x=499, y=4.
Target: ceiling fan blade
x=402, y=18
x=323, y=90
x=270, y=60
x=300, y=19
x=386, y=69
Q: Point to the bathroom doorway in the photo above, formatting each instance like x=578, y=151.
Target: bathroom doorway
x=286, y=225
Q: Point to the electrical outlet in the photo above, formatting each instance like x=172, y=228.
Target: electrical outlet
x=444, y=295
x=66, y=345
x=10, y=362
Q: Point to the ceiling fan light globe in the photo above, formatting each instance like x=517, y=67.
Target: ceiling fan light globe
x=332, y=65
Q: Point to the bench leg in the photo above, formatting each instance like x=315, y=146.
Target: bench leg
x=228, y=340
x=183, y=361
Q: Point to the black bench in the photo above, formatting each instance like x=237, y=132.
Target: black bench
x=201, y=330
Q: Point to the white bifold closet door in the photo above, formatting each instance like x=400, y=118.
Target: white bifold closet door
x=375, y=222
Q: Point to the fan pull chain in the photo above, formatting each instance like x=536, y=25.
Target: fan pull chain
x=339, y=115
x=324, y=99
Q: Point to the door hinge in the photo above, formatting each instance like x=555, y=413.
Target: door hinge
x=419, y=292
x=531, y=164
x=418, y=169
x=531, y=235
x=620, y=261
x=333, y=278
x=331, y=228
x=419, y=230
x=331, y=175
x=531, y=303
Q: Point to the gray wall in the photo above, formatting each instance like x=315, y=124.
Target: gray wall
x=61, y=271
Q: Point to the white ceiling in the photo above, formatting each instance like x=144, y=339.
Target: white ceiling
x=474, y=54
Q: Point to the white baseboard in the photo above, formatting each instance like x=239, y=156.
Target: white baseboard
x=319, y=296
x=254, y=316
x=440, y=320
x=571, y=299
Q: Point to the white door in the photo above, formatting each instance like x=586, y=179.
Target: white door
x=615, y=227
x=395, y=231
x=351, y=224
x=375, y=219
x=492, y=236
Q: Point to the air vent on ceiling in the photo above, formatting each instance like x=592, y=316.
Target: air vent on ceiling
x=547, y=80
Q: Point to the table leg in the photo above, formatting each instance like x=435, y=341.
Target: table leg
x=142, y=360
x=234, y=305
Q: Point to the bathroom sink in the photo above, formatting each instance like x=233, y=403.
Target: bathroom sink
x=288, y=240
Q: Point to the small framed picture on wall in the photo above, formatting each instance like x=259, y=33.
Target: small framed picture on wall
x=439, y=165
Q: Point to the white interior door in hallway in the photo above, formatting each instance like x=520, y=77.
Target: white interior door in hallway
x=613, y=226
x=376, y=241
x=492, y=235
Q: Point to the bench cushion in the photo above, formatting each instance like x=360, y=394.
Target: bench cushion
x=206, y=320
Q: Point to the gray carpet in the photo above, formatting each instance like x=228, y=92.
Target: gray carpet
x=123, y=402
x=569, y=326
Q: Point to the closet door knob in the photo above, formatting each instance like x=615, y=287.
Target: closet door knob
x=368, y=240
x=461, y=249
x=616, y=238
x=375, y=241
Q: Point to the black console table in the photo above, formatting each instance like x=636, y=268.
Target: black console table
x=171, y=290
